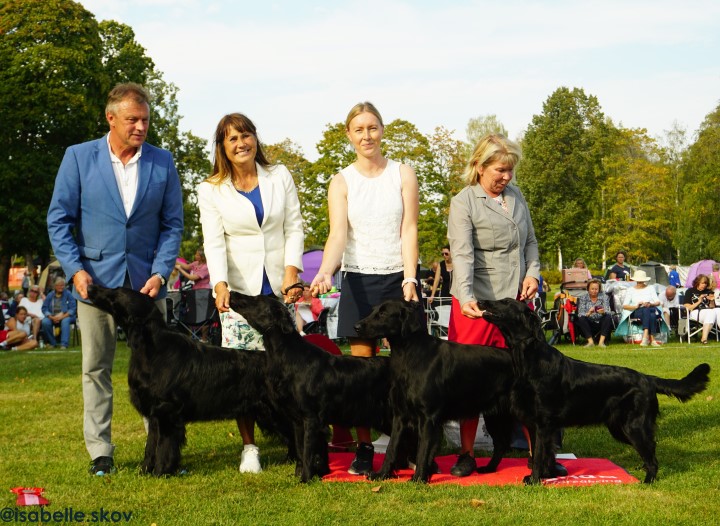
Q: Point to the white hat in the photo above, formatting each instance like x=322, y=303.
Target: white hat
x=640, y=276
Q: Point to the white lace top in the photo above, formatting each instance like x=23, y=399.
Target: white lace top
x=375, y=210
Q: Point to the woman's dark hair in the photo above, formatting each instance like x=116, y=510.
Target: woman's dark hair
x=222, y=167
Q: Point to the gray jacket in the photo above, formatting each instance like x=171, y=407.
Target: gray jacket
x=492, y=251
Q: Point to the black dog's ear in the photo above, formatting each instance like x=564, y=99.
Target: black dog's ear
x=413, y=313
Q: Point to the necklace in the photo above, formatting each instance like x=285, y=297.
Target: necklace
x=501, y=201
x=245, y=184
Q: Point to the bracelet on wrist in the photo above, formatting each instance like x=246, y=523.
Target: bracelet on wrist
x=409, y=280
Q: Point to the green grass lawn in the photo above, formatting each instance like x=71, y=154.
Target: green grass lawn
x=41, y=444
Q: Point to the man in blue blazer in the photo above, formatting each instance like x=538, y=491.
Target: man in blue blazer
x=115, y=219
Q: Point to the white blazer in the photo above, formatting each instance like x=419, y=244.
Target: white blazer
x=236, y=247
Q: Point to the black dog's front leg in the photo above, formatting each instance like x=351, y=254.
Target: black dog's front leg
x=429, y=431
x=391, y=453
x=171, y=439
x=499, y=427
x=313, y=464
x=151, y=445
x=298, y=436
x=543, y=456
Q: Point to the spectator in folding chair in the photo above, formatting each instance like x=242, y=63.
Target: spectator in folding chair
x=59, y=309
x=641, y=303
x=700, y=303
x=307, y=309
x=670, y=304
x=594, y=315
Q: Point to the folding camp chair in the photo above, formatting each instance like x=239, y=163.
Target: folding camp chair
x=566, y=307
x=440, y=321
x=688, y=327
x=198, y=314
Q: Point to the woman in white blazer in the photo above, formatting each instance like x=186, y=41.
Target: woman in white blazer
x=253, y=237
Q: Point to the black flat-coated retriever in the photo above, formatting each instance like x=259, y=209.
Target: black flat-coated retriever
x=434, y=380
x=174, y=379
x=554, y=391
x=313, y=387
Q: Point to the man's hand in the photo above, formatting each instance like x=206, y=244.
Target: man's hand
x=152, y=286
x=81, y=280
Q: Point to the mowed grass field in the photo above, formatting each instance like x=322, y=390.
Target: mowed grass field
x=41, y=445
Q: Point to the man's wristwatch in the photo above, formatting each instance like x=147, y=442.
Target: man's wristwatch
x=162, y=279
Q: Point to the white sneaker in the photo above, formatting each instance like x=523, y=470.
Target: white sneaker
x=250, y=459
x=644, y=343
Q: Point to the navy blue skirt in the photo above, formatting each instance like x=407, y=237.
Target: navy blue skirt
x=360, y=293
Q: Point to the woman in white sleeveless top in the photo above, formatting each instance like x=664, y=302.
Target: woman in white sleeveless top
x=373, y=206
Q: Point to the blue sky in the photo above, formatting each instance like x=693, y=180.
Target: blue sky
x=294, y=67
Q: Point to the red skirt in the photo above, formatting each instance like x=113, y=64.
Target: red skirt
x=473, y=331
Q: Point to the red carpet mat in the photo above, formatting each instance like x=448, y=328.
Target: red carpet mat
x=581, y=472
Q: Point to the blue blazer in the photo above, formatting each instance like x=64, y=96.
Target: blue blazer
x=88, y=226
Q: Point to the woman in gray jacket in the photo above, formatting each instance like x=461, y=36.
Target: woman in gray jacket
x=495, y=255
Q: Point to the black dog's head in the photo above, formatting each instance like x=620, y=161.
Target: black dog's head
x=263, y=313
x=127, y=307
x=391, y=318
x=514, y=318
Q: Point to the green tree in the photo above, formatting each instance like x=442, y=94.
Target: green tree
x=50, y=92
x=562, y=171
x=312, y=202
x=56, y=66
x=123, y=60
x=699, y=222
x=336, y=152
x=193, y=166
x=443, y=181
x=479, y=127
x=636, y=211
x=675, y=145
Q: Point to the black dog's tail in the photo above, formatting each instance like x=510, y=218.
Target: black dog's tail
x=685, y=389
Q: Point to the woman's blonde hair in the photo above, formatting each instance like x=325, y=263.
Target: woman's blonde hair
x=222, y=167
x=491, y=149
x=362, y=107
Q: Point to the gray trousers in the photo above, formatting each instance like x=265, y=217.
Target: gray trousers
x=98, y=336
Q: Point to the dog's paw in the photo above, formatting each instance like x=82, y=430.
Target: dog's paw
x=380, y=475
x=486, y=469
x=420, y=478
x=529, y=481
